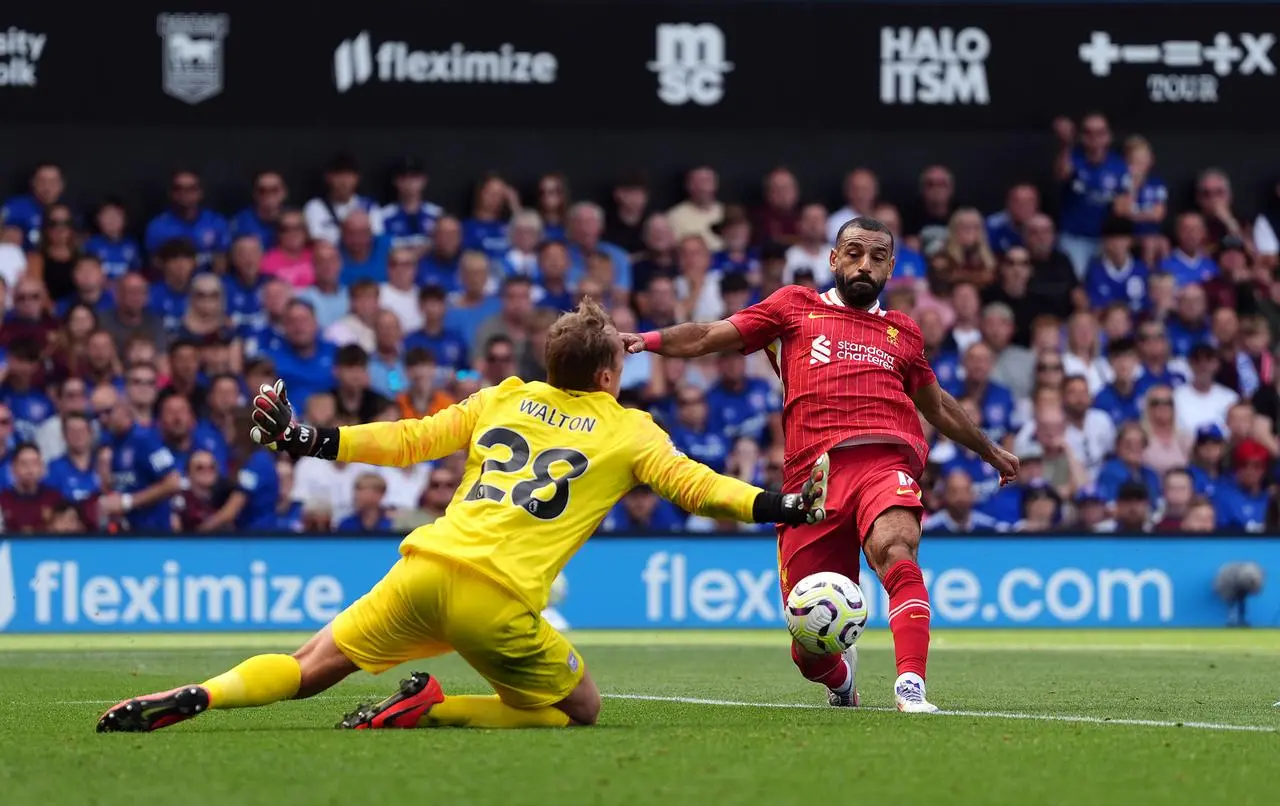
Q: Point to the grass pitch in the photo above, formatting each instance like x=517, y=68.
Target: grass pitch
x=1121, y=717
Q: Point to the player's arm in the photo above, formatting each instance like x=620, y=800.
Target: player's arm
x=947, y=415
x=688, y=340
x=395, y=444
x=696, y=488
x=747, y=330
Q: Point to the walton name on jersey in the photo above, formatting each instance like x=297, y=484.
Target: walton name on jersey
x=554, y=417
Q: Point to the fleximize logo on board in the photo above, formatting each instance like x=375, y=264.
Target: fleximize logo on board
x=358, y=61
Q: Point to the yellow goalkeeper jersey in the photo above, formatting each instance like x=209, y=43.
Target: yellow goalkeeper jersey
x=544, y=467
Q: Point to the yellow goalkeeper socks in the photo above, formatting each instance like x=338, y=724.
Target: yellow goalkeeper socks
x=469, y=711
x=260, y=680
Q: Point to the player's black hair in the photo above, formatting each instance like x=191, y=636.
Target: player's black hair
x=175, y=248
x=869, y=224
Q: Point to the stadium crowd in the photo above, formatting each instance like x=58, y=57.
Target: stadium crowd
x=1124, y=348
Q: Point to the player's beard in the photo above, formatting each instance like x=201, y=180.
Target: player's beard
x=859, y=290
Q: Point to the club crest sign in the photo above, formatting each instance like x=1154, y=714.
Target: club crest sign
x=191, y=54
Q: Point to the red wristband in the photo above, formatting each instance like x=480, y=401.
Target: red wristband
x=652, y=341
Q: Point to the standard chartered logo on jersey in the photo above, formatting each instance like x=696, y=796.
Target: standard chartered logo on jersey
x=359, y=61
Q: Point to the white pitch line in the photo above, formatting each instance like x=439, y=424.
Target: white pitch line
x=1013, y=715
x=1087, y=720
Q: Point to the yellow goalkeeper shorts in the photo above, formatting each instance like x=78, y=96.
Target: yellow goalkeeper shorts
x=428, y=605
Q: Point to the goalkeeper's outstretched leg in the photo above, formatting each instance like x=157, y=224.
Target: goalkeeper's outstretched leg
x=260, y=680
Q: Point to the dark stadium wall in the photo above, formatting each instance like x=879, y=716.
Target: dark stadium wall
x=134, y=161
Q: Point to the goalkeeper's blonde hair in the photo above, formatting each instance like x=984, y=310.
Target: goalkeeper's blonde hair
x=579, y=345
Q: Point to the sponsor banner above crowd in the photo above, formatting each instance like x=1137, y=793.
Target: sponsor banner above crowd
x=776, y=65
x=211, y=583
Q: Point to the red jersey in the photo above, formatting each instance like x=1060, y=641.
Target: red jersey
x=28, y=513
x=847, y=374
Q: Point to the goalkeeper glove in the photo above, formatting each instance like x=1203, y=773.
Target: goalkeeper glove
x=275, y=427
x=795, y=509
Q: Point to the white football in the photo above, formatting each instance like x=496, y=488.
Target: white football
x=826, y=612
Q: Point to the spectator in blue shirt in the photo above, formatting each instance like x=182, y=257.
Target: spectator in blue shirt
x=27, y=402
x=27, y=211
x=177, y=262
x=995, y=402
x=1143, y=199
x=1091, y=175
x=553, y=289
x=387, y=374
x=958, y=516
x=369, y=514
x=259, y=482
x=325, y=214
x=1242, y=501
x=364, y=255
x=328, y=297
x=526, y=237
x=1154, y=353
x=1189, y=325
x=693, y=432
x=75, y=473
x=448, y=346
x=738, y=256
x=1127, y=464
x=262, y=218
x=742, y=406
x=475, y=300
x=303, y=361
x=244, y=283
x=1005, y=228
x=642, y=511
x=1115, y=275
x=144, y=476
x=176, y=422
x=553, y=204
x=90, y=288
x=117, y=252
x=1190, y=262
x=1206, y=460
x=440, y=265
x=1119, y=399
x=410, y=221
x=204, y=229
x=486, y=229
x=586, y=225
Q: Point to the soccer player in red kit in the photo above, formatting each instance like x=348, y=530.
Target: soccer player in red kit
x=854, y=376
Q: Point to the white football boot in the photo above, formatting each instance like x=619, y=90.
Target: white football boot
x=908, y=691
x=848, y=698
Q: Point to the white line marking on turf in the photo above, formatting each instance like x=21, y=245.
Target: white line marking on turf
x=1078, y=720
x=1089, y=720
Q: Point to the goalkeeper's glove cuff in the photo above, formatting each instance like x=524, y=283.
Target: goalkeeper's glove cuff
x=307, y=440
x=785, y=508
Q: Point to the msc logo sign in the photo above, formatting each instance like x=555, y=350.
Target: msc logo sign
x=690, y=64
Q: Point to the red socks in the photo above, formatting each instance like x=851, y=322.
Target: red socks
x=829, y=670
x=908, y=616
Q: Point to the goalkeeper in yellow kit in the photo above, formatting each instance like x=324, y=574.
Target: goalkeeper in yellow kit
x=546, y=462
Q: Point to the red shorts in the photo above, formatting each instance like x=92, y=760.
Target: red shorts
x=865, y=481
